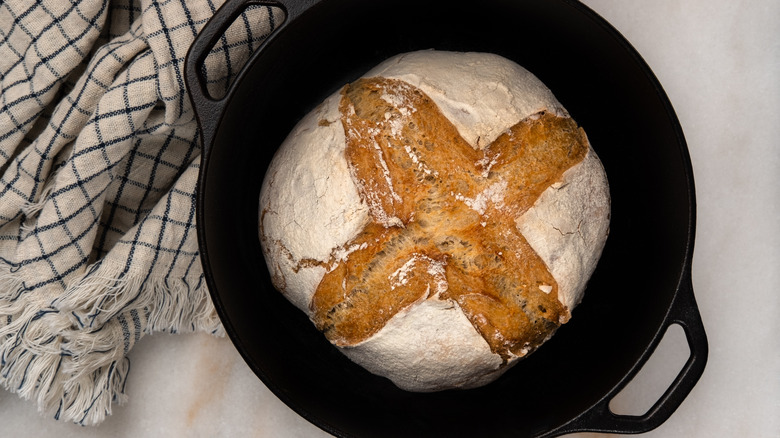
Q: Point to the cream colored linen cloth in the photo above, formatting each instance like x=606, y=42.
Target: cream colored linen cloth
x=99, y=155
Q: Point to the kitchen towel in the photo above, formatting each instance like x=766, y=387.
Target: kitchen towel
x=99, y=155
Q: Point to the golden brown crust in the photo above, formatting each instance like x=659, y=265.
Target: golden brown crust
x=443, y=219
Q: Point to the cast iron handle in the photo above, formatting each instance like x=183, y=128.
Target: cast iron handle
x=599, y=418
x=209, y=110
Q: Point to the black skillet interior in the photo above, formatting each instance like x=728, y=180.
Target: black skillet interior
x=605, y=87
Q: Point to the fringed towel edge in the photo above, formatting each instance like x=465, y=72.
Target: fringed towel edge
x=69, y=353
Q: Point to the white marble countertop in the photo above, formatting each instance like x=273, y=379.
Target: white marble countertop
x=719, y=62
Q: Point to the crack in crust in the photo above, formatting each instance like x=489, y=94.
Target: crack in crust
x=442, y=212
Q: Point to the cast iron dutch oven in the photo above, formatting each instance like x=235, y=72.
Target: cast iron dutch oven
x=641, y=286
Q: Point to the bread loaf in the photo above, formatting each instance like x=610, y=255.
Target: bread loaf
x=437, y=219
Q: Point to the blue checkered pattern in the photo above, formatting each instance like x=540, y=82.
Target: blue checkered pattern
x=99, y=154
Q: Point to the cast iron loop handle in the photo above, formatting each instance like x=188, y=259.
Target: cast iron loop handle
x=209, y=110
x=600, y=418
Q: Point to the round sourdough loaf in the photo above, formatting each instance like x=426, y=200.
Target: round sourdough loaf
x=437, y=219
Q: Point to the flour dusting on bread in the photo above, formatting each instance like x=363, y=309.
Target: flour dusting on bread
x=437, y=219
